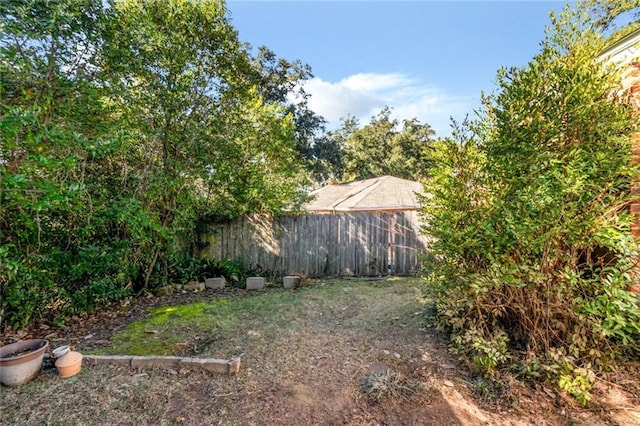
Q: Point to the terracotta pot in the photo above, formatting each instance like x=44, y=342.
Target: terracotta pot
x=21, y=361
x=69, y=365
x=634, y=288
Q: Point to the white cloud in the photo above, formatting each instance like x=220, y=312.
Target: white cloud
x=374, y=82
x=335, y=100
x=364, y=95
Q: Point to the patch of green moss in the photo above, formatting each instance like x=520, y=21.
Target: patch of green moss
x=168, y=329
x=171, y=330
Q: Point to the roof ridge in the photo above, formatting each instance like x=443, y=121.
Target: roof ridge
x=376, y=193
x=364, y=192
x=356, y=191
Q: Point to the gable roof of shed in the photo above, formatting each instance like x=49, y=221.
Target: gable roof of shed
x=381, y=193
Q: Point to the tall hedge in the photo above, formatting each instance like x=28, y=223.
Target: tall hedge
x=532, y=252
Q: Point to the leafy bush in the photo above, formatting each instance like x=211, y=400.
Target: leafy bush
x=186, y=267
x=115, y=148
x=532, y=254
x=235, y=271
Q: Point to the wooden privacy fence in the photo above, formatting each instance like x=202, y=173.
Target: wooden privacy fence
x=323, y=245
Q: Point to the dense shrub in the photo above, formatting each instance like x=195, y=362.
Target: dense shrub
x=124, y=127
x=532, y=252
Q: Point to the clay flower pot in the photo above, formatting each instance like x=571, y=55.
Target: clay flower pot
x=21, y=361
x=635, y=288
x=69, y=365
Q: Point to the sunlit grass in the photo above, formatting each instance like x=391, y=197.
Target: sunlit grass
x=172, y=330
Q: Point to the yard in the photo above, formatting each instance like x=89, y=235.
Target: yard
x=357, y=352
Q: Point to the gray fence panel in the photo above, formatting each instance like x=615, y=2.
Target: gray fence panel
x=323, y=245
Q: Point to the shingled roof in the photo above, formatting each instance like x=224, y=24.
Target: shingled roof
x=377, y=194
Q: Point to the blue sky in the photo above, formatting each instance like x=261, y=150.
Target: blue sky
x=425, y=59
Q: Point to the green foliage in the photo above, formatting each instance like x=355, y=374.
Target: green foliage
x=203, y=141
x=384, y=147
x=487, y=355
x=235, y=271
x=187, y=267
x=126, y=127
x=282, y=81
x=62, y=247
x=578, y=384
x=609, y=12
x=529, y=212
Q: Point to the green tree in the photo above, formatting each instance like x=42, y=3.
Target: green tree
x=609, y=12
x=126, y=127
x=327, y=155
x=62, y=242
x=383, y=147
x=203, y=141
x=282, y=81
x=530, y=220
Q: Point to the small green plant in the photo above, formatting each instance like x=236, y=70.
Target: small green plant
x=486, y=389
x=578, y=383
x=530, y=367
x=487, y=355
x=185, y=268
x=210, y=268
x=235, y=271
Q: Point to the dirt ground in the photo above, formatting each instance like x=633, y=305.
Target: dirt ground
x=322, y=358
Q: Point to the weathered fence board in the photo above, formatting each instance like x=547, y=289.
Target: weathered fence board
x=321, y=245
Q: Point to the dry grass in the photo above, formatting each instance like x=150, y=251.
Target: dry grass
x=302, y=352
x=381, y=385
x=307, y=357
